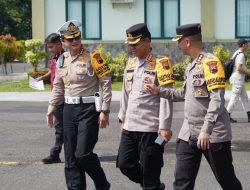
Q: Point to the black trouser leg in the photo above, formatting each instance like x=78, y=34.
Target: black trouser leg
x=219, y=157
x=140, y=159
x=187, y=165
x=151, y=157
x=75, y=178
x=128, y=157
x=58, y=125
x=88, y=129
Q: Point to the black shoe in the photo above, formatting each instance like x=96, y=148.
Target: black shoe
x=51, y=160
x=233, y=120
x=105, y=188
x=162, y=186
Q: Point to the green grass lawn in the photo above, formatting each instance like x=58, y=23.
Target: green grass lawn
x=23, y=86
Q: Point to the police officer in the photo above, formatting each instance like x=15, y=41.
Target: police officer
x=237, y=80
x=54, y=46
x=144, y=116
x=206, y=128
x=78, y=76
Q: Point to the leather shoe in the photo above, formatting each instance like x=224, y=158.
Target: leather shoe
x=162, y=186
x=51, y=160
x=233, y=120
x=105, y=188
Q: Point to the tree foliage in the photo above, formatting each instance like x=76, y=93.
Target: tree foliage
x=10, y=49
x=15, y=18
x=34, y=52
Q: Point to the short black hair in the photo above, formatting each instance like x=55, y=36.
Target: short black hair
x=53, y=38
x=241, y=42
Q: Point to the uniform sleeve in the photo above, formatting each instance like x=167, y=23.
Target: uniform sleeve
x=106, y=92
x=176, y=95
x=57, y=92
x=123, y=101
x=215, y=109
x=165, y=112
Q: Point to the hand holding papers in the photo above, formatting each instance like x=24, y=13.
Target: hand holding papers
x=33, y=83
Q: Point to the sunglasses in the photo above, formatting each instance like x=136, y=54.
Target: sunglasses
x=72, y=39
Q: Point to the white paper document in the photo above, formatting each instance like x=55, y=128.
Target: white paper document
x=33, y=83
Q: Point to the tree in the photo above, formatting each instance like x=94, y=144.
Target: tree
x=15, y=18
x=34, y=52
x=10, y=49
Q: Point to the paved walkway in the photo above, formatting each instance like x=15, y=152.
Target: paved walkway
x=44, y=96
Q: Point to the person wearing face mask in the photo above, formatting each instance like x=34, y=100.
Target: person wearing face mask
x=79, y=74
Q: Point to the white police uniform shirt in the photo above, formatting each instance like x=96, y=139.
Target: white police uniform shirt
x=141, y=111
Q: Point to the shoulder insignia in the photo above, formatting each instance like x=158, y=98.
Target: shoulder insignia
x=99, y=64
x=214, y=73
x=164, y=71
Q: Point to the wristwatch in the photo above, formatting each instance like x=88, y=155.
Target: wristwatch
x=106, y=112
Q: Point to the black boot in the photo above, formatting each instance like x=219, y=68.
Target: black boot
x=51, y=159
x=233, y=120
x=248, y=115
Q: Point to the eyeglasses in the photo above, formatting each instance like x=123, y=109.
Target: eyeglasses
x=137, y=44
x=72, y=39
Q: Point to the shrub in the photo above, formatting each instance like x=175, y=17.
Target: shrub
x=10, y=49
x=34, y=52
x=222, y=53
x=116, y=64
x=179, y=69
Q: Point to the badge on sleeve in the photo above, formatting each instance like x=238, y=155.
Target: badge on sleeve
x=164, y=71
x=99, y=64
x=214, y=73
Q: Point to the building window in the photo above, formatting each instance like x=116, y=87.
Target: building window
x=242, y=18
x=162, y=17
x=89, y=13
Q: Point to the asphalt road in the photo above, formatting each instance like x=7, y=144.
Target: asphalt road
x=25, y=140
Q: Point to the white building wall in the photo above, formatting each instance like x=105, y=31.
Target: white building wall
x=190, y=11
x=54, y=15
x=224, y=19
x=117, y=18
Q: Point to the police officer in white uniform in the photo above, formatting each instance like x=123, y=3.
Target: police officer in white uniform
x=206, y=128
x=237, y=80
x=143, y=116
x=79, y=74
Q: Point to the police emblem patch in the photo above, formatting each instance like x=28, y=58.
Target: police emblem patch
x=213, y=66
x=98, y=58
x=164, y=63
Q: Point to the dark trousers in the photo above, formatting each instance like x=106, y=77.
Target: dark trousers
x=58, y=125
x=219, y=157
x=80, y=123
x=140, y=159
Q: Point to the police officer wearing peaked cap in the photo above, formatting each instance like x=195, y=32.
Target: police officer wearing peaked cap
x=206, y=128
x=79, y=74
x=143, y=116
